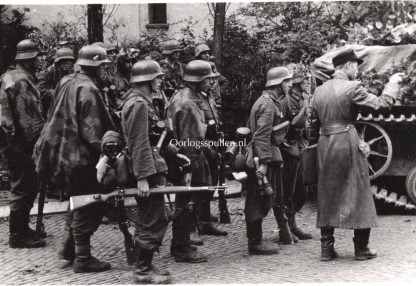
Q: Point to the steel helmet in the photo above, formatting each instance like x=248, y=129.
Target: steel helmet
x=145, y=70
x=171, y=46
x=201, y=48
x=111, y=47
x=64, y=54
x=26, y=50
x=197, y=71
x=100, y=44
x=92, y=56
x=276, y=75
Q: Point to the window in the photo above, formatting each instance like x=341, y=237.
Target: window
x=157, y=16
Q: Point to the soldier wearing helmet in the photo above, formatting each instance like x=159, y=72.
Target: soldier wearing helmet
x=192, y=110
x=140, y=118
x=172, y=67
x=21, y=122
x=69, y=148
x=49, y=78
x=266, y=112
x=296, y=102
x=220, y=85
x=115, y=84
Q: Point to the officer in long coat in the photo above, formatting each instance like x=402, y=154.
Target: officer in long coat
x=21, y=122
x=69, y=148
x=266, y=112
x=344, y=196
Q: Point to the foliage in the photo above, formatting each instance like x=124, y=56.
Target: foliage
x=13, y=29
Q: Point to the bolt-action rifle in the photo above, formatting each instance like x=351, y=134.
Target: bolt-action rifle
x=77, y=202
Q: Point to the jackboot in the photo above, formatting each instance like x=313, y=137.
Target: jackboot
x=327, y=244
x=362, y=252
x=299, y=233
x=173, y=247
x=285, y=235
x=145, y=273
x=207, y=228
x=85, y=262
x=18, y=237
x=66, y=250
x=184, y=253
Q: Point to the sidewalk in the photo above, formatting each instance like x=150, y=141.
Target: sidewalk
x=229, y=261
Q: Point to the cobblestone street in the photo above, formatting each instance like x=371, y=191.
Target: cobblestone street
x=229, y=261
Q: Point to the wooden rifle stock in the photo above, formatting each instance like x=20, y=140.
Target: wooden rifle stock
x=77, y=202
x=281, y=126
x=41, y=204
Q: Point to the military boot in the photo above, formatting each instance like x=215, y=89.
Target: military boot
x=264, y=248
x=327, y=244
x=207, y=228
x=66, y=250
x=18, y=237
x=362, y=252
x=145, y=273
x=185, y=253
x=85, y=262
x=296, y=231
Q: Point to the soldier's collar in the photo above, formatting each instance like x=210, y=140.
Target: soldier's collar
x=340, y=75
x=31, y=74
x=138, y=92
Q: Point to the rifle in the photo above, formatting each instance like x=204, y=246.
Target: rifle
x=39, y=220
x=123, y=224
x=77, y=202
x=222, y=202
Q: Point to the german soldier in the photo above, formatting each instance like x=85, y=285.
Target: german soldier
x=191, y=109
x=172, y=67
x=220, y=86
x=296, y=102
x=139, y=119
x=21, y=122
x=344, y=195
x=266, y=112
x=49, y=78
x=69, y=148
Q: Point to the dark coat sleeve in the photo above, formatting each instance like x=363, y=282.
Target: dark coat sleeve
x=46, y=91
x=385, y=100
x=28, y=111
x=94, y=119
x=137, y=134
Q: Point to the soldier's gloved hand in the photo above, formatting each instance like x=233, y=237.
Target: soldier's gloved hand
x=261, y=171
x=143, y=188
x=397, y=77
x=183, y=160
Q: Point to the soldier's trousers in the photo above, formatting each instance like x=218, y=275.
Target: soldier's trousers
x=24, y=183
x=257, y=206
x=183, y=221
x=294, y=189
x=85, y=221
x=152, y=221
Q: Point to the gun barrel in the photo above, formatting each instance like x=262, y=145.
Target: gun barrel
x=76, y=202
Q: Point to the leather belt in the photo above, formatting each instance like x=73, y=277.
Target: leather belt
x=335, y=128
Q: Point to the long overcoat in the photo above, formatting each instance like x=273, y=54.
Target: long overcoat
x=344, y=196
